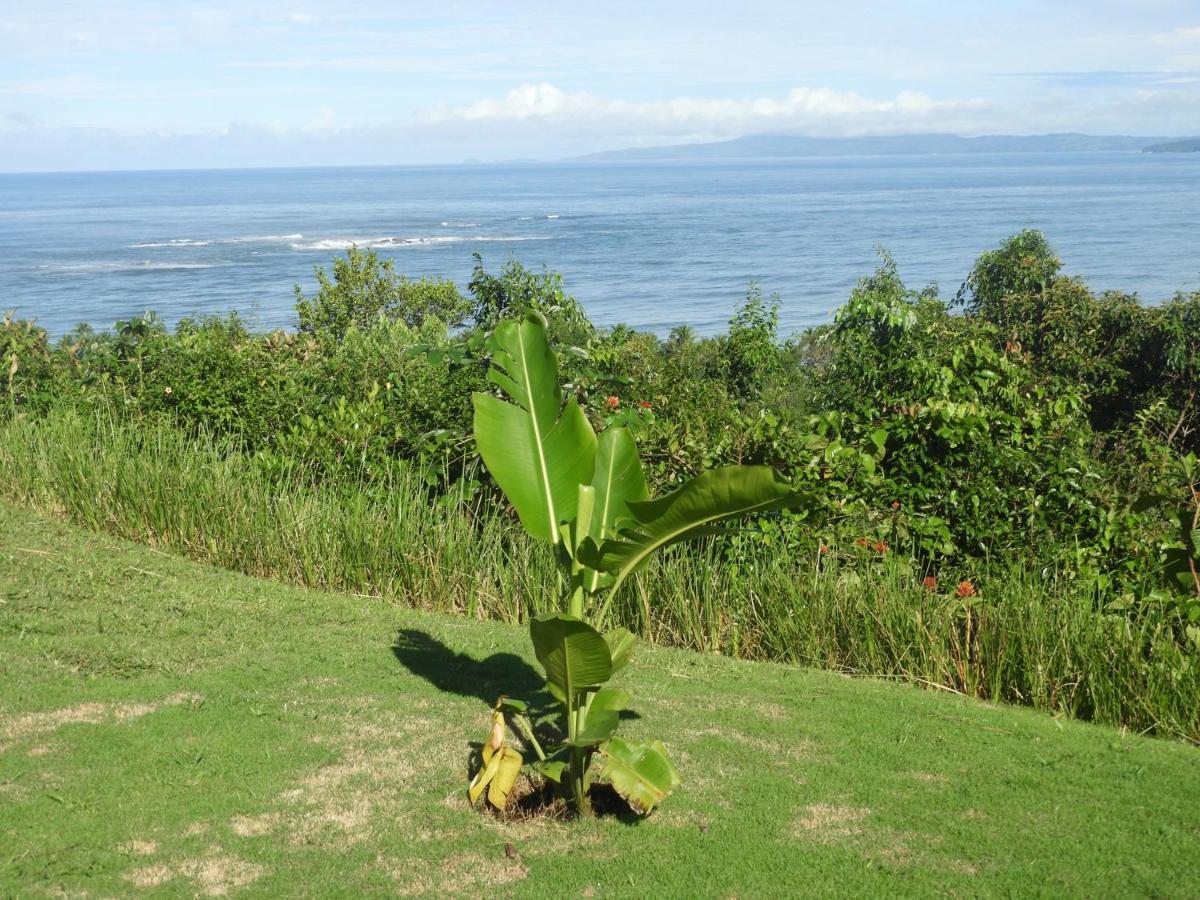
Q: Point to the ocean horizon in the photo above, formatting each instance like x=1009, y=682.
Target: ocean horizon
x=649, y=244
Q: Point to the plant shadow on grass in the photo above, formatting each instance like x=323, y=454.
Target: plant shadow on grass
x=486, y=679
x=458, y=673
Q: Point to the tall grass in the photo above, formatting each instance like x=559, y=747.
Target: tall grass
x=1029, y=639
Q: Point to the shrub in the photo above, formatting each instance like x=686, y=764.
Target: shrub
x=365, y=289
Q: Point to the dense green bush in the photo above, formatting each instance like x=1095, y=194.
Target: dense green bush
x=366, y=290
x=1124, y=357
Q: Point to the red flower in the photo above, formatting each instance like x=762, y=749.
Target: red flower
x=824, y=550
x=965, y=589
x=929, y=583
x=613, y=402
x=645, y=404
x=880, y=547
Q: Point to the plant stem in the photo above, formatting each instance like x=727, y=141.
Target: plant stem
x=578, y=760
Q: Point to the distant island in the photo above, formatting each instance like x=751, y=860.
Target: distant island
x=1188, y=145
x=766, y=146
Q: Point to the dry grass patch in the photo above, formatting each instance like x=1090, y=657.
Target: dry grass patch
x=826, y=823
x=140, y=848
x=254, y=826
x=214, y=874
x=464, y=874
x=20, y=728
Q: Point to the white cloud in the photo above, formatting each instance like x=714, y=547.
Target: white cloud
x=1189, y=35
x=812, y=110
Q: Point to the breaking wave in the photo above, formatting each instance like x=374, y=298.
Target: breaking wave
x=384, y=242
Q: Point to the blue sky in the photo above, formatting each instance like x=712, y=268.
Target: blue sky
x=134, y=84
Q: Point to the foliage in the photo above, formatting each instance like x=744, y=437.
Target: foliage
x=25, y=362
x=751, y=347
x=980, y=453
x=516, y=290
x=588, y=499
x=365, y=289
x=1123, y=357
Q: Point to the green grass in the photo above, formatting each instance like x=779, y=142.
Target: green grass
x=1031, y=637
x=173, y=728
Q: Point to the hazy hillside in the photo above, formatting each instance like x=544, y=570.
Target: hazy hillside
x=781, y=145
x=1188, y=145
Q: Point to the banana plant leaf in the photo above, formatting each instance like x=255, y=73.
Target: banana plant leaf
x=498, y=775
x=618, y=480
x=538, y=449
x=573, y=653
x=693, y=510
x=621, y=643
x=642, y=773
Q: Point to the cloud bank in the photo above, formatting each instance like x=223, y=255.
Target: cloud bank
x=542, y=121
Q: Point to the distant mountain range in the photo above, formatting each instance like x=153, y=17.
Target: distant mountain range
x=1189, y=145
x=767, y=146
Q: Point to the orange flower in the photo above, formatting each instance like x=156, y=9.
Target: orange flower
x=880, y=547
x=929, y=583
x=645, y=404
x=965, y=589
x=613, y=402
x=823, y=550
x=861, y=542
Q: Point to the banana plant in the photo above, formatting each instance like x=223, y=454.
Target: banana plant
x=587, y=496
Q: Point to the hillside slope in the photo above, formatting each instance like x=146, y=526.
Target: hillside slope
x=171, y=727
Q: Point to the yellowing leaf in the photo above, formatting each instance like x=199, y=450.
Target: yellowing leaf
x=505, y=777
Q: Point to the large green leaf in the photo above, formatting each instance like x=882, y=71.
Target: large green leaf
x=612, y=698
x=538, y=450
x=621, y=643
x=597, y=728
x=692, y=510
x=642, y=773
x=573, y=653
x=618, y=480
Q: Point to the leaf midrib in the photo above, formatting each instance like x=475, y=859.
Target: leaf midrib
x=537, y=438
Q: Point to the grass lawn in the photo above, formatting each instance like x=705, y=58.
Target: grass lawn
x=171, y=728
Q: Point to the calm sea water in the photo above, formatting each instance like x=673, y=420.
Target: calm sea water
x=652, y=245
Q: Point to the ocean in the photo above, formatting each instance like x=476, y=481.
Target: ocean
x=652, y=245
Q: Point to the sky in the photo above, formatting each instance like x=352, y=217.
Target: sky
x=135, y=84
